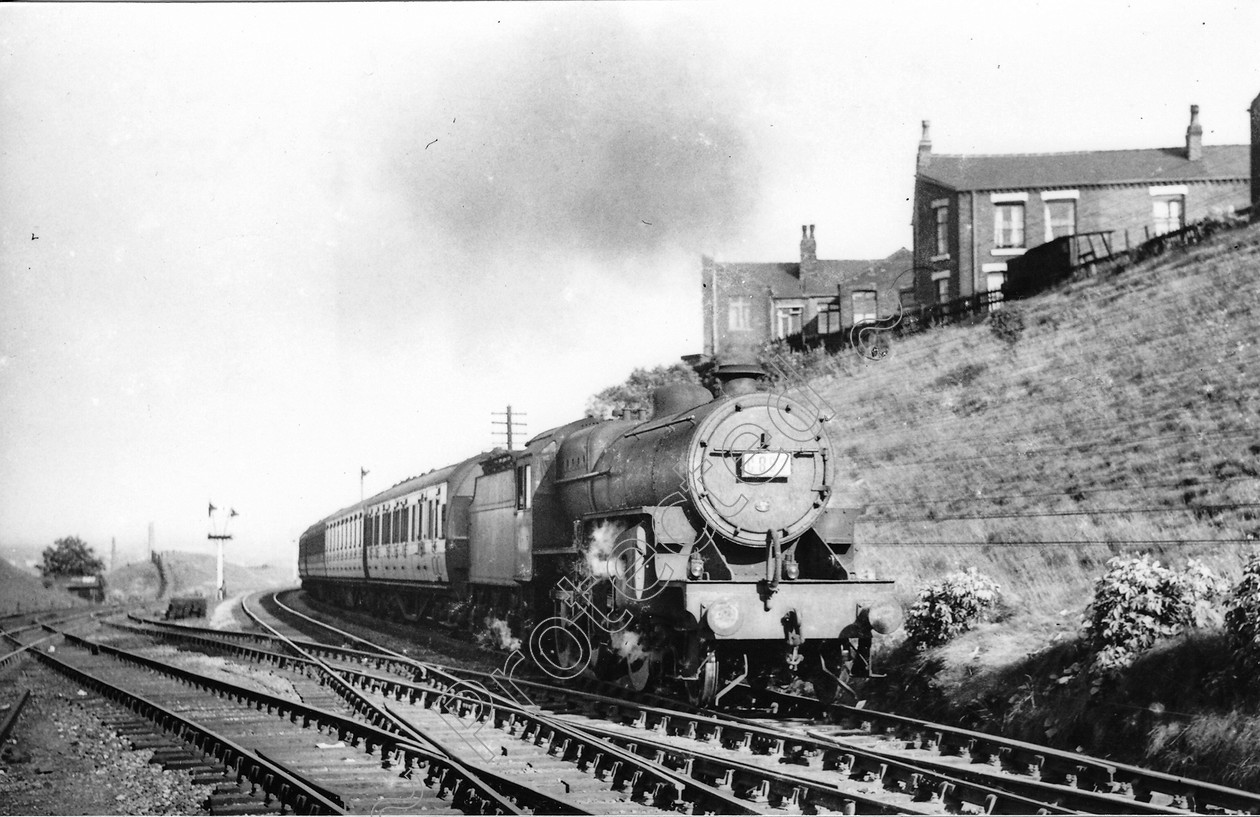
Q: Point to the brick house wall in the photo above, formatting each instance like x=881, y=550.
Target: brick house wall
x=741, y=301
x=1105, y=190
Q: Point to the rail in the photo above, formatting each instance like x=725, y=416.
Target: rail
x=272, y=780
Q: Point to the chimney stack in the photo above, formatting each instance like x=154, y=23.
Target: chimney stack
x=1194, y=136
x=809, y=247
x=925, y=147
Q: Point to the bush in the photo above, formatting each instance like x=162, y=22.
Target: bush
x=1138, y=601
x=1242, y=617
x=950, y=607
x=1007, y=324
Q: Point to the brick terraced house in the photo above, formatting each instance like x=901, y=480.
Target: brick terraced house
x=973, y=214
x=812, y=301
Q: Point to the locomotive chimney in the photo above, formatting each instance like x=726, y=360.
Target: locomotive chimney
x=739, y=378
x=1194, y=136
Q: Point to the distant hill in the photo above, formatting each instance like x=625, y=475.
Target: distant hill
x=21, y=592
x=192, y=573
x=1125, y=419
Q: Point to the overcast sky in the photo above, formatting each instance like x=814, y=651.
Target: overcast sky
x=276, y=243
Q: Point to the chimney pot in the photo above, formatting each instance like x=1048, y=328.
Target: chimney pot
x=809, y=253
x=925, y=147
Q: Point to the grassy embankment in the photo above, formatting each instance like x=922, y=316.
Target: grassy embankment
x=1124, y=420
x=22, y=592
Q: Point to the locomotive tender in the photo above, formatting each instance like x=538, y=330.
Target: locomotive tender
x=699, y=546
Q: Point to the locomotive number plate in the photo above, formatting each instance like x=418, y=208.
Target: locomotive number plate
x=758, y=466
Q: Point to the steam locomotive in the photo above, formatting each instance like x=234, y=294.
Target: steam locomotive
x=699, y=547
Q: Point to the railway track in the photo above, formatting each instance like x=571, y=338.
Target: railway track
x=578, y=771
x=764, y=764
x=1041, y=773
x=276, y=753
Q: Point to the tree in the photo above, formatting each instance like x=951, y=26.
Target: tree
x=636, y=392
x=70, y=556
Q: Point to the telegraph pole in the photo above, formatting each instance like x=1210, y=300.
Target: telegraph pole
x=363, y=472
x=509, y=423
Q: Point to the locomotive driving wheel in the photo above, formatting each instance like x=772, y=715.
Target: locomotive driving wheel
x=639, y=672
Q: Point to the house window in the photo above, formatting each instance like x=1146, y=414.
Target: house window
x=1169, y=214
x=828, y=316
x=864, y=306
x=942, y=230
x=740, y=313
x=1008, y=226
x=788, y=321
x=942, y=291
x=1060, y=219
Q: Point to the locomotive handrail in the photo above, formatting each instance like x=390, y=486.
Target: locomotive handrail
x=690, y=418
x=591, y=475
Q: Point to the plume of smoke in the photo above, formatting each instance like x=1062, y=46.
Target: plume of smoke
x=585, y=136
x=599, y=550
x=498, y=635
x=629, y=645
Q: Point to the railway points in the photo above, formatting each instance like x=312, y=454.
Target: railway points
x=724, y=751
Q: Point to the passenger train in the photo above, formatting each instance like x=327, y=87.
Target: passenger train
x=701, y=547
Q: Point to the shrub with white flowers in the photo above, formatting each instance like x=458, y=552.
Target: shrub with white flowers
x=1139, y=601
x=950, y=607
x=1242, y=616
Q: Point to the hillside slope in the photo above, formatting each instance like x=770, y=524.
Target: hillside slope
x=194, y=573
x=21, y=592
x=1123, y=420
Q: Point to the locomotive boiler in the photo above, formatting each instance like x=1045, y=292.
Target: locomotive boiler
x=701, y=547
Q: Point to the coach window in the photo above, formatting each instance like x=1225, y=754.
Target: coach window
x=441, y=506
x=864, y=306
x=828, y=316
